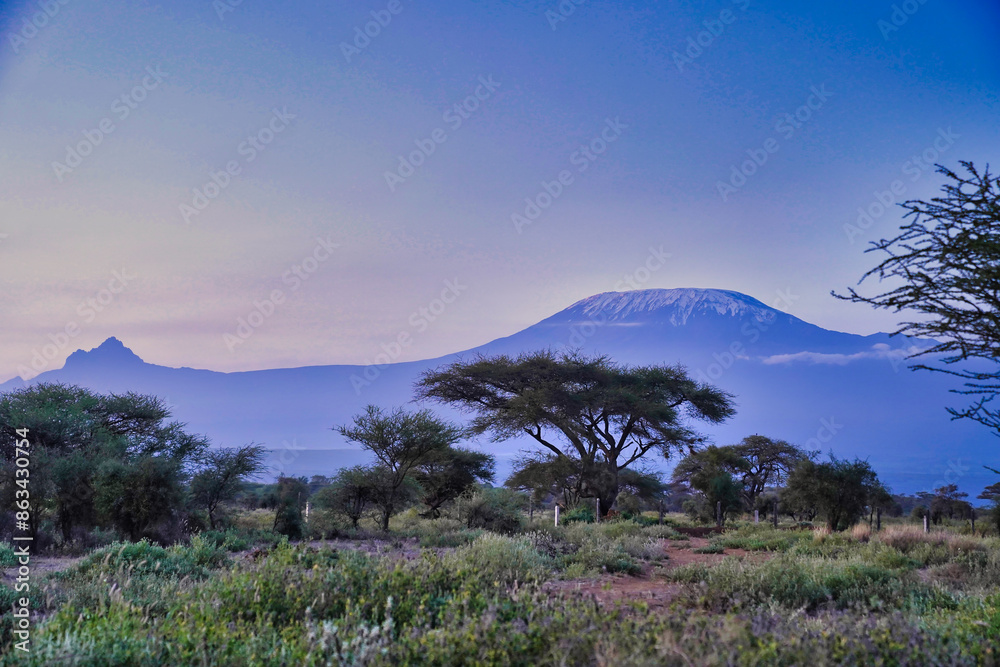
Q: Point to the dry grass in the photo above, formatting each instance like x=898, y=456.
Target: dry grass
x=861, y=532
x=820, y=533
x=906, y=538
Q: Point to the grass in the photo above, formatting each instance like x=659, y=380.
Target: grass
x=803, y=597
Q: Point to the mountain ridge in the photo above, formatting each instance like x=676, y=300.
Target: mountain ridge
x=789, y=377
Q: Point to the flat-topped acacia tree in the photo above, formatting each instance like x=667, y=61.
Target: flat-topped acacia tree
x=604, y=415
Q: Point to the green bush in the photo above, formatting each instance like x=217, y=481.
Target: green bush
x=495, y=509
x=498, y=558
x=579, y=514
x=799, y=582
x=7, y=556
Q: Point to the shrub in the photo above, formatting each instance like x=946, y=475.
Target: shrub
x=7, y=556
x=602, y=555
x=494, y=509
x=498, y=558
x=797, y=582
x=579, y=514
x=758, y=538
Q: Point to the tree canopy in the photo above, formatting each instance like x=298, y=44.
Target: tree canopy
x=602, y=414
x=945, y=263
x=99, y=459
x=401, y=441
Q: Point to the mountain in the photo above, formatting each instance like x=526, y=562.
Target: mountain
x=821, y=389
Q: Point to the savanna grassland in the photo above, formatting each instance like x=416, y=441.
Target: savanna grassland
x=435, y=592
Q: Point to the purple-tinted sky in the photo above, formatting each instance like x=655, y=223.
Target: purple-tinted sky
x=115, y=113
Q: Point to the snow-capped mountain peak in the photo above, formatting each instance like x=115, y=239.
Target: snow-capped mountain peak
x=678, y=305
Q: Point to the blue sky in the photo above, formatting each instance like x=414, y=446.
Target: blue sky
x=305, y=254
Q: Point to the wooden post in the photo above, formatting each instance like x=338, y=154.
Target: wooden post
x=774, y=513
x=878, y=519
x=718, y=514
x=756, y=516
x=597, y=516
x=557, y=515
x=926, y=527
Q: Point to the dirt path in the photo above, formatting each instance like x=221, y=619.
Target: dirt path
x=651, y=587
x=42, y=565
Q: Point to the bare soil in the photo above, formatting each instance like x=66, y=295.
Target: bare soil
x=650, y=587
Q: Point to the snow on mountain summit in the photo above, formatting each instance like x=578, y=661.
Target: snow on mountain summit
x=681, y=304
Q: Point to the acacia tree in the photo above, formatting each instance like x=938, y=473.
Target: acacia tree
x=765, y=462
x=222, y=476
x=604, y=415
x=400, y=440
x=947, y=261
x=447, y=473
x=81, y=440
x=839, y=490
x=713, y=472
x=543, y=474
x=349, y=494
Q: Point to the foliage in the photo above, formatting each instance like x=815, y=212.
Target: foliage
x=292, y=494
x=948, y=501
x=836, y=601
x=349, y=494
x=840, y=490
x=222, y=475
x=604, y=415
x=445, y=474
x=946, y=260
x=97, y=459
x=495, y=509
x=400, y=441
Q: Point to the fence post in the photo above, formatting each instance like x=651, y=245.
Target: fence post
x=557, y=515
x=756, y=516
x=926, y=527
x=307, y=511
x=597, y=516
